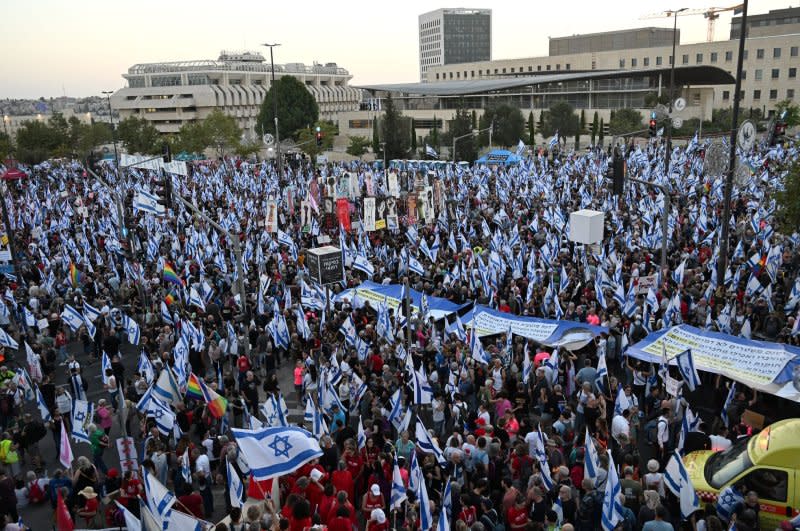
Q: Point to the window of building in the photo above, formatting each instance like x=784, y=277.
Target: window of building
x=530, y=68
x=714, y=56
x=773, y=94
x=741, y=95
x=699, y=59
x=548, y=68
x=458, y=75
x=759, y=74
x=670, y=60
x=568, y=66
x=465, y=74
x=472, y=73
x=634, y=62
x=622, y=63
x=685, y=59
x=538, y=68
x=793, y=51
x=512, y=69
x=744, y=74
x=480, y=72
x=451, y=75
x=495, y=71
x=729, y=56
x=776, y=73
x=726, y=95
x=504, y=70
x=437, y=75
x=760, y=53
x=658, y=60
x=746, y=54
x=646, y=61
x=757, y=94
x=776, y=53
x=792, y=73
x=789, y=94
x=558, y=66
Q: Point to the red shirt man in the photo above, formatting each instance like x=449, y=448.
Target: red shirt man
x=343, y=481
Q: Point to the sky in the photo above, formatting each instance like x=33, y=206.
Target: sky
x=53, y=47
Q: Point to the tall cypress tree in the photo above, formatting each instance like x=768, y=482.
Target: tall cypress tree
x=531, y=129
x=601, y=133
x=376, y=140
x=595, y=125
x=413, y=137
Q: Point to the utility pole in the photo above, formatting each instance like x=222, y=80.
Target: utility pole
x=726, y=212
x=275, y=110
x=10, y=232
x=668, y=143
x=108, y=94
x=664, y=218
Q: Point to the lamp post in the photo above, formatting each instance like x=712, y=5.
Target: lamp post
x=667, y=150
x=108, y=94
x=474, y=132
x=275, y=110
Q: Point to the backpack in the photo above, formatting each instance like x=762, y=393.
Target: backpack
x=651, y=431
x=491, y=521
x=35, y=492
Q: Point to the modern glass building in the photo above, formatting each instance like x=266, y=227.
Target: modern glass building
x=451, y=36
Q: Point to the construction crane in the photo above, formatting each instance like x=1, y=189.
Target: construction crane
x=710, y=13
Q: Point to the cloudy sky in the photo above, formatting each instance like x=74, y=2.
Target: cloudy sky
x=53, y=47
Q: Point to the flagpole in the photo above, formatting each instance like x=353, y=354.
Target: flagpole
x=407, y=310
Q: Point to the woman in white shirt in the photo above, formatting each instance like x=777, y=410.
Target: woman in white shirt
x=654, y=480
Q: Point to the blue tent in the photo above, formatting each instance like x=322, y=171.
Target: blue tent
x=499, y=156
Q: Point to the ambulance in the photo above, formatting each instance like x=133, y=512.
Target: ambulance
x=767, y=463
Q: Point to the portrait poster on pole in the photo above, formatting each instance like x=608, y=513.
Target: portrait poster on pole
x=343, y=213
x=369, y=214
x=271, y=220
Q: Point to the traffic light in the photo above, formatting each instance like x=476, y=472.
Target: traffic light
x=319, y=139
x=163, y=189
x=653, y=124
x=618, y=175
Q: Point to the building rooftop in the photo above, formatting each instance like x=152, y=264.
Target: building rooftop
x=684, y=75
x=235, y=61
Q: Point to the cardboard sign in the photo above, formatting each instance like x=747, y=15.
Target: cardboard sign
x=271, y=219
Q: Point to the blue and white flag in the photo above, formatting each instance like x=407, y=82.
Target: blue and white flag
x=554, y=141
x=612, y=507
x=30, y=319
x=196, y=300
x=361, y=437
x=186, y=467
x=72, y=317
x=447, y=497
x=427, y=444
x=302, y=325
x=235, y=487
x=132, y=329
x=90, y=312
x=425, y=516
x=165, y=315
x=105, y=364
x=145, y=368
x=731, y=393
x=622, y=401
x=602, y=373
x=431, y=152
x=677, y=479
x=131, y=522
x=520, y=148
x=166, y=388
x=686, y=367
x=8, y=341
x=591, y=462
x=161, y=413
x=398, y=494
x=147, y=202
x=276, y=451
x=46, y=417
x=444, y=524
x=82, y=412
x=157, y=497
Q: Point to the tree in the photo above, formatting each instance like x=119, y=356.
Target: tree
x=601, y=133
x=433, y=138
x=792, y=116
x=625, y=121
x=508, y=122
x=297, y=108
x=531, y=129
x=577, y=140
x=474, y=119
x=222, y=131
x=595, y=125
x=376, y=141
x=139, y=136
x=308, y=138
x=90, y=136
x=414, y=136
x=560, y=118
x=394, y=131
x=6, y=147
x=192, y=137
x=466, y=148
x=358, y=145
x=246, y=148
x=583, y=121
x=788, y=213
x=38, y=141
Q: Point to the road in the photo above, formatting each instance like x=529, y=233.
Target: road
x=40, y=517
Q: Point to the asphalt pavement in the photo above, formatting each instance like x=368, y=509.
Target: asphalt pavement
x=41, y=517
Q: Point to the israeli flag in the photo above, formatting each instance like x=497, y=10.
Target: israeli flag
x=591, y=463
x=602, y=373
x=7, y=341
x=554, y=141
x=165, y=315
x=423, y=394
x=431, y=152
x=280, y=330
x=677, y=479
x=82, y=412
x=622, y=402
x=186, y=470
x=105, y=364
x=196, y=300
x=132, y=329
x=71, y=317
x=235, y=486
x=158, y=498
x=687, y=369
x=147, y=202
x=145, y=368
x=162, y=414
x=427, y=445
x=398, y=495
x=611, y=513
x=30, y=319
x=443, y=524
x=131, y=522
x=457, y=328
x=415, y=267
x=541, y=455
x=520, y=148
x=302, y=325
x=425, y=516
x=362, y=263
x=46, y=417
x=731, y=393
x=274, y=452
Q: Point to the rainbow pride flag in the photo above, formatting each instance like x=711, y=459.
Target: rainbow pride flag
x=193, y=389
x=216, y=404
x=171, y=298
x=169, y=275
x=75, y=275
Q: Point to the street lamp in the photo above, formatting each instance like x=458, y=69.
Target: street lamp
x=275, y=110
x=108, y=94
x=668, y=152
x=474, y=132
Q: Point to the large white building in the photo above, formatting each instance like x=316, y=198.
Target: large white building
x=173, y=93
x=448, y=36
